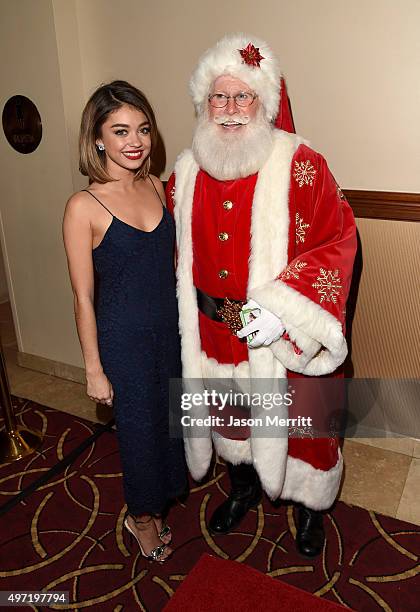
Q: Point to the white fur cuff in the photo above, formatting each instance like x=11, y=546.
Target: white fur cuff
x=315, y=331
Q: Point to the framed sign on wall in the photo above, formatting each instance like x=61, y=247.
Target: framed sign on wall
x=22, y=124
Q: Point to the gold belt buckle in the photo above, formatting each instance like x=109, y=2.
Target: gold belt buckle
x=229, y=313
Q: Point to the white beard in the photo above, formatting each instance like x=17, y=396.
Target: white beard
x=234, y=154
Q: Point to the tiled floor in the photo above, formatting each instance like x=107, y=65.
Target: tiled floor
x=381, y=474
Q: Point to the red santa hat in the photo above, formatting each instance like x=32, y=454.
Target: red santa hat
x=251, y=60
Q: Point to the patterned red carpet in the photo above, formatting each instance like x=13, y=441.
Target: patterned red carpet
x=68, y=536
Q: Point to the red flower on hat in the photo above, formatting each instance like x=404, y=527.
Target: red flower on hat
x=251, y=55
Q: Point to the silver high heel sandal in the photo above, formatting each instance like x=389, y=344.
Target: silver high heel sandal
x=165, y=529
x=157, y=552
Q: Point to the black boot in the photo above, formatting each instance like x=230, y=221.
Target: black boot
x=245, y=494
x=310, y=534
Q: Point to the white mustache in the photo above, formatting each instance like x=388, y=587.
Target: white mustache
x=237, y=154
x=243, y=120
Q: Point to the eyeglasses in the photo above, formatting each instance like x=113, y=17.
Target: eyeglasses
x=244, y=98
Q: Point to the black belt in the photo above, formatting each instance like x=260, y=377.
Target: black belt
x=221, y=309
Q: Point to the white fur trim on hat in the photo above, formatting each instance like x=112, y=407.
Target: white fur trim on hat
x=225, y=58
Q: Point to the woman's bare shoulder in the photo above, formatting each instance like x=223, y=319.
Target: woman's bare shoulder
x=156, y=181
x=159, y=185
x=78, y=205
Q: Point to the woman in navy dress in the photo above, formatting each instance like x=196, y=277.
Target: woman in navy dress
x=119, y=241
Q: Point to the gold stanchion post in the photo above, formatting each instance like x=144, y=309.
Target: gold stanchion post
x=15, y=441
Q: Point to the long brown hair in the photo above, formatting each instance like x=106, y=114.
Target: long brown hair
x=105, y=100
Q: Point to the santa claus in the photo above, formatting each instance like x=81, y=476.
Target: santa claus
x=261, y=226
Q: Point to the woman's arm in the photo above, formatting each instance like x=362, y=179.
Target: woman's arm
x=77, y=232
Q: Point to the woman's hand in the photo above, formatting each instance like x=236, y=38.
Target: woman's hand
x=99, y=389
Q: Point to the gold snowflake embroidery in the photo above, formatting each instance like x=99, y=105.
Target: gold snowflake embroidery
x=304, y=173
x=301, y=228
x=301, y=432
x=328, y=285
x=293, y=271
x=172, y=193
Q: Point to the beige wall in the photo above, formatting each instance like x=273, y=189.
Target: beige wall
x=4, y=292
x=35, y=187
x=386, y=329
x=354, y=83
x=352, y=70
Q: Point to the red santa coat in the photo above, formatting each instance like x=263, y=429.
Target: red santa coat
x=291, y=245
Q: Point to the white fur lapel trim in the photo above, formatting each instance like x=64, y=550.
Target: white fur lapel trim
x=269, y=246
x=186, y=170
x=270, y=232
x=198, y=450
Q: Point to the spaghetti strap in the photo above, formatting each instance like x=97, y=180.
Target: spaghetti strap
x=163, y=204
x=94, y=196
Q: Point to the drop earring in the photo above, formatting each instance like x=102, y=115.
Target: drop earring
x=100, y=147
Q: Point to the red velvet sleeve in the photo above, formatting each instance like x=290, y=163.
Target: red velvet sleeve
x=324, y=234
x=310, y=294
x=170, y=193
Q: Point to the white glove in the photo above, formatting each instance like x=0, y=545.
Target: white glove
x=269, y=326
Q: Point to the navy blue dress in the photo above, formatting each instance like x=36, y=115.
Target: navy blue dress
x=139, y=347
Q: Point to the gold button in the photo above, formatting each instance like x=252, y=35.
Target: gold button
x=223, y=236
x=223, y=274
x=227, y=205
